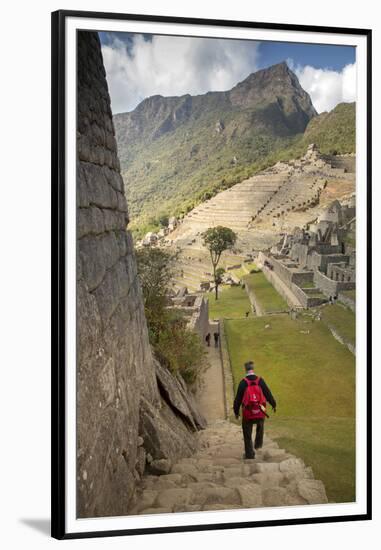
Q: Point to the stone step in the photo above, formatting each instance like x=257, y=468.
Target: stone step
x=218, y=478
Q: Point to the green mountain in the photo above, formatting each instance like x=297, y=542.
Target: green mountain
x=178, y=151
x=334, y=132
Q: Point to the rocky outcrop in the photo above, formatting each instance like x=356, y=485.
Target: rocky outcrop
x=124, y=418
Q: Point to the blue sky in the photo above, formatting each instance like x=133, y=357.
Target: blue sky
x=139, y=66
x=319, y=56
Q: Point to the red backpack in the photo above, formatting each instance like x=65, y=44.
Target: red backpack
x=253, y=400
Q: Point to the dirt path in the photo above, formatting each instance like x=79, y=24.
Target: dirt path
x=211, y=395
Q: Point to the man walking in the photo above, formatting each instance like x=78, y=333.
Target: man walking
x=216, y=336
x=252, y=394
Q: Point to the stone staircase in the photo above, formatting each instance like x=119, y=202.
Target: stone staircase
x=218, y=478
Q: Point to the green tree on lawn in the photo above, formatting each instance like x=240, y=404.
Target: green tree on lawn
x=217, y=240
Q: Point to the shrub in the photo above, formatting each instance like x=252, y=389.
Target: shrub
x=180, y=349
x=174, y=345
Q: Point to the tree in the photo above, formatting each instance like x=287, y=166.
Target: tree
x=155, y=268
x=177, y=347
x=217, y=240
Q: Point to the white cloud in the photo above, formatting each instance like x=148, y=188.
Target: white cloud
x=326, y=87
x=174, y=66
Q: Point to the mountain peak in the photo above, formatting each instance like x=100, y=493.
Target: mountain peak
x=275, y=86
x=266, y=76
x=270, y=100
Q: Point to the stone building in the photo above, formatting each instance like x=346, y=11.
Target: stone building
x=315, y=263
x=195, y=309
x=132, y=413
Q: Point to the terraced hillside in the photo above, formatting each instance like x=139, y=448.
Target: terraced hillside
x=259, y=209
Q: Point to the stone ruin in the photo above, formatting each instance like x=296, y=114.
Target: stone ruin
x=259, y=208
x=132, y=414
x=195, y=309
x=315, y=263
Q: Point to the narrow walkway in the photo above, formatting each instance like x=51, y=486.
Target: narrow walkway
x=210, y=396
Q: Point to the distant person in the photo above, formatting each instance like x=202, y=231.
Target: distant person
x=216, y=337
x=252, y=394
x=207, y=339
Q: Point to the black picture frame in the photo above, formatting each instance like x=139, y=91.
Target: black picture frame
x=58, y=226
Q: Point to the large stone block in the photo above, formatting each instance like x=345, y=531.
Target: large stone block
x=164, y=436
x=90, y=221
x=171, y=391
x=187, y=395
x=312, y=490
x=174, y=497
x=216, y=495
x=251, y=495
x=97, y=254
x=99, y=192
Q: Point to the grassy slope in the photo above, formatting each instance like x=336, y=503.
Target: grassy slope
x=304, y=372
x=265, y=293
x=342, y=319
x=334, y=132
x=232, y=303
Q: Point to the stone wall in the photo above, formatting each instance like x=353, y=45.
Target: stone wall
x=329, y=287
x=307, y=296
x=321, y=262
x=289, y=284
x=129, y=409
x=348, y=301
x=285, y=273
x=200, y=318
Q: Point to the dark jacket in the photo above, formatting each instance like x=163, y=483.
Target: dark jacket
x=241, y=390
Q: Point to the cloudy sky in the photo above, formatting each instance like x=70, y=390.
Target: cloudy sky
x=139, y=66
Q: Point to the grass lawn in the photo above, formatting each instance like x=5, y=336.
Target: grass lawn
x=342, y=319
x=233, y=303
x=238, y=272
x=266, y=295
x=250, y=266
x=243, y=270
x=312, y=377
x=309, y=284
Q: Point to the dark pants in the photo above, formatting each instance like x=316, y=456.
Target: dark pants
x=247, y=429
